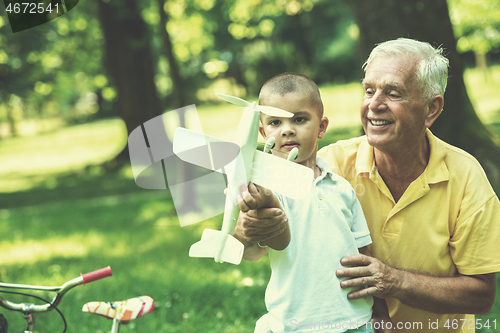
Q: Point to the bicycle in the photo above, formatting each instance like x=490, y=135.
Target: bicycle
x=120, y=312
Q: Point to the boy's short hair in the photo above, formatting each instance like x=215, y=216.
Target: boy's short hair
x=285, y=83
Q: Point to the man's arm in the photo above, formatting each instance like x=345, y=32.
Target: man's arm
x=472, y=294
x=380, y=311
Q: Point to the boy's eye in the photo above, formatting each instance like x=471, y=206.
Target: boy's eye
x=274, y=122
x=300, y=119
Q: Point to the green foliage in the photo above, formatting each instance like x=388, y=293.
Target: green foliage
x=232, y=46
x=243, y=43
x=54, y=69
x=476, y=24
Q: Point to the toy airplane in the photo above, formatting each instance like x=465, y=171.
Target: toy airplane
x=241, y=166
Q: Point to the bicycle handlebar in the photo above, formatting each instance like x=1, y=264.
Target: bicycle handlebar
x=97, y=275
x=60, y=291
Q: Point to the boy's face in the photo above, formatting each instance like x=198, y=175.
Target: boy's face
x=302, y=130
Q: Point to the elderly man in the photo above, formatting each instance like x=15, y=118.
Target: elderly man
x=432, y=214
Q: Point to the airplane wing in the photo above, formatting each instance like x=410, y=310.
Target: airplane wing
x=204, y=150
x=209, y=245
x=280, y=175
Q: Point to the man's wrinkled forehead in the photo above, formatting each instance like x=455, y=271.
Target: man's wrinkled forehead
x=391, y=70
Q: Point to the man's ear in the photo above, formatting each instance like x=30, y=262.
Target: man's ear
x=435, y=107
x=261, y=131
x=323, y=125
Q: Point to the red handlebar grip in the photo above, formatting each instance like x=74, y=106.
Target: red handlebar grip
x=97, y=275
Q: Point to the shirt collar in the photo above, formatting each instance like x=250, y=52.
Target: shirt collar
x=326, y=168
x=436, y=170
x=364, y=160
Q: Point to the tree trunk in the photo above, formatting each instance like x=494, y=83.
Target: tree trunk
x=429, y=21
x=177, y=86
x=186, y=170
x=12, y=121
x=129, y=63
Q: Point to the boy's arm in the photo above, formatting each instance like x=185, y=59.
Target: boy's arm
x=259, y=225
x=253, y=252
x=255, y=197
x=380, y=311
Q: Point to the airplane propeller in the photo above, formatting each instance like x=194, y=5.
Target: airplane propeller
x=269, y=110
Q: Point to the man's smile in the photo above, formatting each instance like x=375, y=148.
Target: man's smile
x=379, y=122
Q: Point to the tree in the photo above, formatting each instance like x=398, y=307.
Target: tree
x=477, y=27
x=50, y=70
x=129, y=63
x=177, y=86
x=269, y=37
x=429, y=20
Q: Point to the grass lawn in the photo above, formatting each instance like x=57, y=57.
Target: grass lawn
x=61, y=215
x=139, y=236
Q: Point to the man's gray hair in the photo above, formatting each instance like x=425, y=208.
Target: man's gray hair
x=432, y=72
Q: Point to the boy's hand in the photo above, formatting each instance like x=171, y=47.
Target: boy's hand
x=254, y=197
x=254, y=201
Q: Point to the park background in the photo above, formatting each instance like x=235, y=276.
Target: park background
x=72, y=90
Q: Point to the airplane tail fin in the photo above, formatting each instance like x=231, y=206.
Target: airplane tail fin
x=218, y=245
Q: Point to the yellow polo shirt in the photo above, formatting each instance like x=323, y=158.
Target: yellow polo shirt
x=446, y=222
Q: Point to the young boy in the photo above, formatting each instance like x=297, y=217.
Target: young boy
x=304, y=294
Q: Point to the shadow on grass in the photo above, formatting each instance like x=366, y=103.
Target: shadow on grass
x=90, y=182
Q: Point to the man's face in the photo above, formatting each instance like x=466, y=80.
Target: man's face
x=302, y=130
x=393, y=111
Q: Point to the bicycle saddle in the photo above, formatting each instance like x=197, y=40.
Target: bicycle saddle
x=122, y=310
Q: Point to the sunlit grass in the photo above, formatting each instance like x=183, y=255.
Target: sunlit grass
x=32, y=127
x=89, y=143
x=30, y=251
x=29, y=160
x=341, y=103
x=482, y=88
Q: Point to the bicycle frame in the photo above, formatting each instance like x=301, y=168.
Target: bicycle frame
x=29, y=309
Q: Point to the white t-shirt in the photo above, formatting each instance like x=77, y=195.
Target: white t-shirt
x=304, y=293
